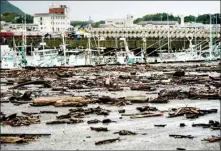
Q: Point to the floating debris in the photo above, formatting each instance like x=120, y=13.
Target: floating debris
x=99, y=129
x=182, y=136
x=107, y=141
x=125, y=132
x=212, y=139
x=160, y=125
x=147, y=115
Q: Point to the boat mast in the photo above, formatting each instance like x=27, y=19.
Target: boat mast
x=23, y=44
x=89, y=47
x=210, y=49
x=64, y=49
x=168, y=32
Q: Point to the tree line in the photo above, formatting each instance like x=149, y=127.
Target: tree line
x=16, y=18
x=204, y=18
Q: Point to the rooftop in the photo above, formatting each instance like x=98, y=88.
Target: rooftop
x=158, y=22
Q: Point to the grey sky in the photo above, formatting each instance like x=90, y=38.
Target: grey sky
x=101, y=10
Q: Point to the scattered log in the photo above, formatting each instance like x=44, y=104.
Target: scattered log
x=99, y=129
x=93, y=121
x=63, y=101
x=160, y=125
x=29, y=114
x=121, y=111
x=142, y=88
x=201, y=125
x=49, y=112
x=14, y=120
x=58, y=89
x=212, y=139
x=180, y=149
x=107, y=141
x=134, y=114
x=137, y=99
x=26, y=97
x=25, y=134
x=65, y=121
x=147, y=115
x=146, y=108
x=179, y=73
x=125, y=132
x=15, y=140
x=182, y=136
x=215, y=78
x=108, y=121
x=216, y=128
x=115, y=89
x=45, y=83
x=182, y=124
x=159, y=100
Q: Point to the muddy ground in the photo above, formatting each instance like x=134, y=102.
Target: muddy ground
x=79, y=136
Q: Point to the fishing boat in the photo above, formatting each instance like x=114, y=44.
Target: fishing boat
x=9, y=59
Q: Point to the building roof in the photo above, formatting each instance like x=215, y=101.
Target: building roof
x=158, y=22
x=48, y=14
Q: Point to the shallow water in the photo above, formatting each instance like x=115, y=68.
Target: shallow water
x=73, y=136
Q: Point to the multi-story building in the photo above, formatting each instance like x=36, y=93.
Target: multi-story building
x=56, y=20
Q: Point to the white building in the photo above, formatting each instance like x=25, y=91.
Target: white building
x=120, y=22
x=56, y=20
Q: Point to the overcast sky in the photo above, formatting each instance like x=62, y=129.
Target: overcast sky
x=101, y=10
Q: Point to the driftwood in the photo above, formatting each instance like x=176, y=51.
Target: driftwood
x=25, y=134
x=99, y=129
x=121, y=111
x=45, y=83
x=179, y=73
x=107, y=141
x=159, y=99
x=14, y=120
x=142, y=88
x=93, y=121
x=26, y=97
x=182, y=136
x=62, y=101
x=191, y=112
x=29, y=114
x=215, y=78
x=66, y=121
x=160, y=125
x=182, y=124
x=147, y=115
x=135, y=114
x=125, y=132
x=146, y=108
x=212, y=139
x=49, y=112
x=180, y=149
x=115, y=89
x=108, y=121
x=15, y=140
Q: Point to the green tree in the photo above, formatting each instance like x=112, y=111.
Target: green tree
x=190, y=18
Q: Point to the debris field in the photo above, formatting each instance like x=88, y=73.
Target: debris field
x=169, y=106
